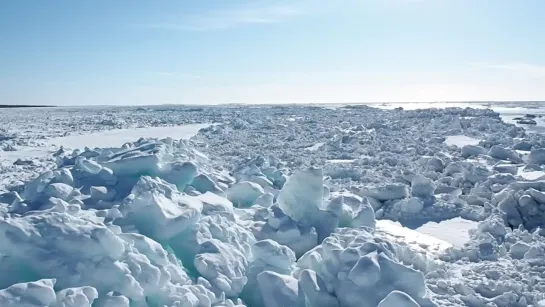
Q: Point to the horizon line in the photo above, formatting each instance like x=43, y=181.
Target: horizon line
x=269, y=103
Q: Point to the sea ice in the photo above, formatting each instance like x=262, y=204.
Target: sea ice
x=388, y=192
x=278, y=290
x=117, y=137
x=361, y=271
x=398, y=299
x=32, y=294
x=159, y=216
x=301, y=196
x=267, y=255
x=411, y=205
x=244, y=193
x=422, y=187
x=460, y=140
x=537, y=156
x=203, y=183
x=267, y=222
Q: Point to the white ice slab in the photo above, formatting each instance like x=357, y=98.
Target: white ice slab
x=531, y=176
x=116, y=138
x=418, y=241
x=454, y=231
x=26, y=153
x=460, y=140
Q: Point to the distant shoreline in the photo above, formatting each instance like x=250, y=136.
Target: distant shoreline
x=10, y=106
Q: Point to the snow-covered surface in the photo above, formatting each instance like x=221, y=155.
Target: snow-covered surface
x=422, y=237
x=272, y=206
x=112, y=138
x=531, y=176
x=460, y=140
x=454, y=231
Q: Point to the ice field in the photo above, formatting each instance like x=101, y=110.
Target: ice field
x=382, y=205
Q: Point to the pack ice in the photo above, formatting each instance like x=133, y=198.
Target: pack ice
x=245, y=214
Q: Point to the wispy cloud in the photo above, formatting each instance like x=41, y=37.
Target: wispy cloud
x=530, y=70
x=229, y=18
x=164, y=73
x=174, y=74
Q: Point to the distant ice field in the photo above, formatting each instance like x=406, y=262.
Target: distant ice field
x=507, y=110
x=117, y=137
x=454, y=231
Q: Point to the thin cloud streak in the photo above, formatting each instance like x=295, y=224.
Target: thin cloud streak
x=231, y=18
x=174, y=74
x=531, y=70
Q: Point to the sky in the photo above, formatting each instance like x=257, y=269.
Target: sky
x=135, y=52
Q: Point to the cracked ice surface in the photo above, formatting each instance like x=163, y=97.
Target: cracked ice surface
x=271, y=206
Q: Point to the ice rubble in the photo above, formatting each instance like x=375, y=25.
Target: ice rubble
x=266, y=222
x=156, y=245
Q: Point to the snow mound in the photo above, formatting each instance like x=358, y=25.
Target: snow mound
x=72, y=232
x=158, y=216
x=522, y=204
x=41, y=293
x=360, y=269
x=77, y=249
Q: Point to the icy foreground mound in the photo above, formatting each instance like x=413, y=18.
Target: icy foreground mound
x=360, y=270
x=150, y=225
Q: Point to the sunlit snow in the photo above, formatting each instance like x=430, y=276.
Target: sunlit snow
x=112, y=138
x=460, y=140
x=303, y=206
x=454, y=231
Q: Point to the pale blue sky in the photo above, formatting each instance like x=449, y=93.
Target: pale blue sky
x=68, y=52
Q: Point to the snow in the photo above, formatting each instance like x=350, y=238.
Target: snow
x=38, y=293
x=272, y=207
x=397, y=298
x=159, y=216
x=422, y=187
x=411, y=205
x=301, y=197
x=278, y=290
x=460, y=140
x=315, y=147
x=117, y=137
x=418, y=238
x=454, y=231
x=388, y=192
x=537, y=156
x=244, y=193
x=531, y=176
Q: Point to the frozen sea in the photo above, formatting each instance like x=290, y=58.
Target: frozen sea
x=347, y=205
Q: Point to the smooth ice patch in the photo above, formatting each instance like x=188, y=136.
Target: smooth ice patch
x=113, y=138
x=409, y=236
x=460, y=140
x=27, y=153
x=454, y=231
x=532, y=176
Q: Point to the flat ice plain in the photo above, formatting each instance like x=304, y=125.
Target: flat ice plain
x=340, y=205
